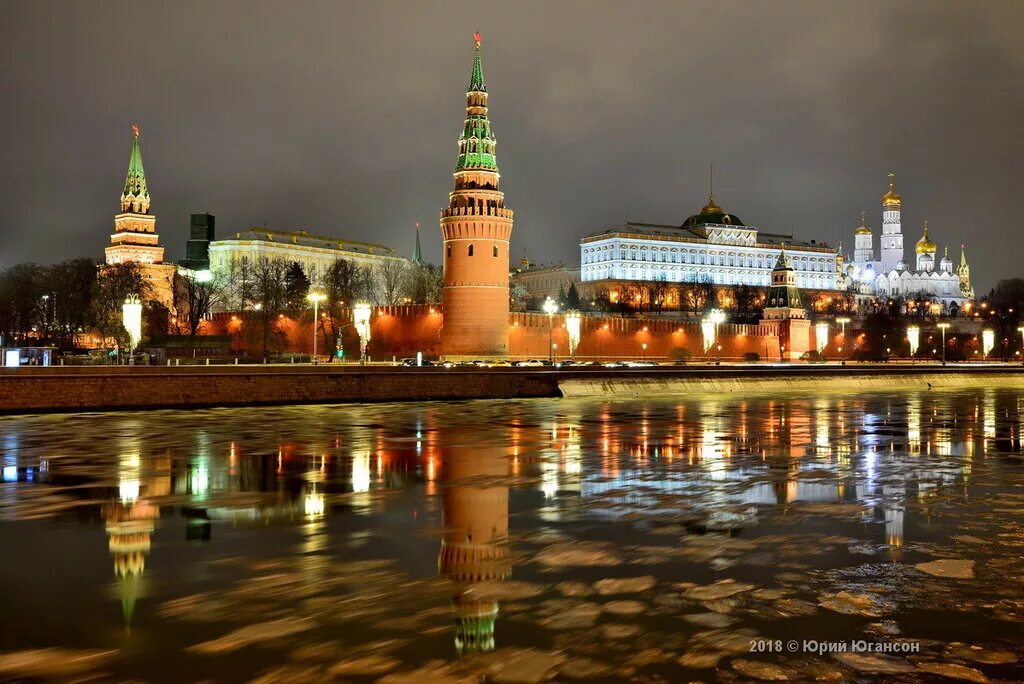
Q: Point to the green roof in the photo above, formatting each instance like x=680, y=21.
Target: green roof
x=135, y=180
x=476, y=77
x=477, y=143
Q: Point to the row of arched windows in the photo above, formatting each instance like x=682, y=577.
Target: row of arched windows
x=470, y=250
x=701, y=256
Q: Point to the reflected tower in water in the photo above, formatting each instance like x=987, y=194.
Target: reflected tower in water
x=475, y=546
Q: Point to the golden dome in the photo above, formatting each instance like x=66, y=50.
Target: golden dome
x=863, y=230
x=712, y=207
x=925, y=244
x=891, y=199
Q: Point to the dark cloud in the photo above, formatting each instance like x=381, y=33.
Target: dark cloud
x=342, y=118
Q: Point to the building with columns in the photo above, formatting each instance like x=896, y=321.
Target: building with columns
x=476, y=227
x=712, y=246
x=891, y=276
x=135, y=239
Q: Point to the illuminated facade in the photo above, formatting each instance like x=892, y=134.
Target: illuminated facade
x=135, y=239
x=476, y=227
x=712, y=246
x=314, y=253
x=892, y=276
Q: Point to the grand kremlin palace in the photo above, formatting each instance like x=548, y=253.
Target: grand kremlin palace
x=712, y=246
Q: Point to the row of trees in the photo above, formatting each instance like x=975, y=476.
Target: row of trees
x=55, y=304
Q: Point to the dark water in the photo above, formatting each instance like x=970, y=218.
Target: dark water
x=656, y=540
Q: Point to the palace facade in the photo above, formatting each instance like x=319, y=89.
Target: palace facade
x=314, y=253
x=712, y=246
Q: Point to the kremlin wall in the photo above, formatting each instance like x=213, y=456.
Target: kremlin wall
x=473, y=320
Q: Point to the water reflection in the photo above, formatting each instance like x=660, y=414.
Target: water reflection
x=475, y=547
x=897, y=477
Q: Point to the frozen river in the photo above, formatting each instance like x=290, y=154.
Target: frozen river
x=662, y=539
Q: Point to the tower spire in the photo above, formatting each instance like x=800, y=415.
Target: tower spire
x=417, y=253
x=135, y=196
x=476, y=78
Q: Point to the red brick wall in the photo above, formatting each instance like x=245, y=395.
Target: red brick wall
x=401, y=331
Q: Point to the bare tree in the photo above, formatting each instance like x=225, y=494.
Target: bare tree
x=699, y=293
x=424, y=283
x=195, y=296
x=269, y=292
x=344, y=283
x=113, y=285
x=389, y=279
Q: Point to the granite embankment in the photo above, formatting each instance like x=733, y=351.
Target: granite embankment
x=25, y=390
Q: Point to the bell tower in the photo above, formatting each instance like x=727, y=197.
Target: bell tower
x=892, y=235
x=476, y=228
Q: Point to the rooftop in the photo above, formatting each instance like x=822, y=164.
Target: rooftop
x=304, y=238
x=687, y=234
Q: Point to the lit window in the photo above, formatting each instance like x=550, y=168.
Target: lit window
x=471, y=250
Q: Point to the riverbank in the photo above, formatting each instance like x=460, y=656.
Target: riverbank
x=56, y=389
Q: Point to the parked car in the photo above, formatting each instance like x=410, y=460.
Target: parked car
x=529, y=363
x=640, y=364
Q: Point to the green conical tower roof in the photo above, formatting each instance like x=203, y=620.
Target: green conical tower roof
x=477, y=143
x=135, y=196
x=963, y=257
x=476, y=78
x=417, y=253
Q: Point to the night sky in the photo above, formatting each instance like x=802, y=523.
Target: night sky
x=342, y=118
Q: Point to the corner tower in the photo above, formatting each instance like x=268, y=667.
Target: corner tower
x=135, y=238
x=476, y=228
x=892, y=237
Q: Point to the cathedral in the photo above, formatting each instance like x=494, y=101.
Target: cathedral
x=891, y=276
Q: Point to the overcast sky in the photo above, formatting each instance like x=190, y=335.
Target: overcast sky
x=342, y=118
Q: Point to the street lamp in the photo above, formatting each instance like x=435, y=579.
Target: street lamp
x=842, y=321
x=943, y=326
x=914, y=337
x=988, y=340
x=550, y=308
x=572, y=326
x=714, y=318
x=316, y=298
x=821, y=336
x=131, y=317
x=1021, y=331
x=361, y=321
x=644, y=347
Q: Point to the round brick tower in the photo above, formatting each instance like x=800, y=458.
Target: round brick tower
x=476, y=228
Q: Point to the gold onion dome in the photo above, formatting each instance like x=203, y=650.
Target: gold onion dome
x=863, y=230
x=712, y=207
x=890, y=198
x=925, y=244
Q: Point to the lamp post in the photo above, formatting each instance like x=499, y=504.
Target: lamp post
x=316, y=298
x=551, y=308
x=131, y=318
x=988, y=340
x=943, y=326
x=573, y=322
x=1021, y=331
x=914, y=337
x=644, y=347
x=842, y=321
x=716, y=317
x=361, y=320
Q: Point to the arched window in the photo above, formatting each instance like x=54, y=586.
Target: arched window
x=495, y=250
x=449, y=250
x=470, y=250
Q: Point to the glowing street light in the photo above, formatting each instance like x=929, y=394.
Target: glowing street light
x=316, y=298
x=710, y=325
x=842, y=321
x=914, y=337
x=131, y=318
x=644, y=347
x=550, y=308
x=988, y=341
x=361, y=321
x=943, y=326
x=572, y=326
x=821, y=335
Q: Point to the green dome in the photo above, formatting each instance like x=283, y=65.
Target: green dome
x=712, y=213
